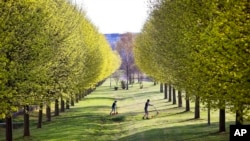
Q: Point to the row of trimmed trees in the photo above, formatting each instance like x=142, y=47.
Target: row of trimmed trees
x=49, y=50
x=202, y=48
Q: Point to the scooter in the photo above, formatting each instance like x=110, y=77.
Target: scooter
x=115, y=113
x=157, y=112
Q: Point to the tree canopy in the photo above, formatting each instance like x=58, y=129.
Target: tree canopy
x=49, y=48
x=201, y=47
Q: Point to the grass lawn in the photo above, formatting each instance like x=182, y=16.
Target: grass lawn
x=89, y=120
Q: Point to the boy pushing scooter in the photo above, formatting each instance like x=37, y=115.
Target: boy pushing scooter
x=146, y=109
x=114, y=108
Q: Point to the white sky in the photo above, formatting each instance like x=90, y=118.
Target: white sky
x=116, y=16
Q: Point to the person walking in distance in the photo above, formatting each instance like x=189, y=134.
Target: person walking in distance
x=113, y=108
x=146, y=109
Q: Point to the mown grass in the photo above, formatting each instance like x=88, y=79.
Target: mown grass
x=89, y=120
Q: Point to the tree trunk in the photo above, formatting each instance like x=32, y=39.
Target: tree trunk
x=89, y=91
x=154, y=83
x=174, y=96
x=133, y=78
x=81, y=95
x=161, y=87
x=48, y=112
x=222, y=120
x=187, y=102
x=169, y=92
x=130, y=78
x=127, y=77
x=179, y=99
x=239, y=116
x=72, y=102
x=9, y=128
x=62, y=105
x=56, y=107
x=138, y=77
x=40, y=116
x=26, y=127
x=86, y=92
x=208, y=114
x=197, y=108
x=77, y=98
x=67, y=104
x=165, y=91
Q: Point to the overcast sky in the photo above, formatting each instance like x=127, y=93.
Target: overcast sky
x=116, y=16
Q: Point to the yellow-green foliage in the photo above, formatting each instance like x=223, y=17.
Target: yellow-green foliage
x=48, y=48
x=201, y=47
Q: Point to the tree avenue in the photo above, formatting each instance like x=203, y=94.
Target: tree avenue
x=201, y=48
x=48, y=50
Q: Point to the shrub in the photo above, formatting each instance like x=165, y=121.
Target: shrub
x=123, y=83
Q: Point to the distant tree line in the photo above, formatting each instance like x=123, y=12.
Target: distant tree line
x=124, y=46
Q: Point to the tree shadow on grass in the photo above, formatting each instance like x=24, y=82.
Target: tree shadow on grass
x=182, y=112
x=138, y=95
x=98, y=112
x=191, y=119
x=98, y=98
x=175, y=107
x=194, y=132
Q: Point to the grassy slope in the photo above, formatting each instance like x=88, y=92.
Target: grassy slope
x=89, y=120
